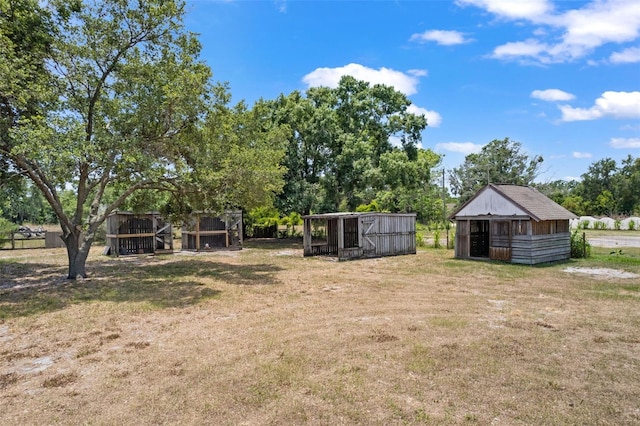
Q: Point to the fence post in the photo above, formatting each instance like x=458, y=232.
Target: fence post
x=584, y=245
x=13, y=241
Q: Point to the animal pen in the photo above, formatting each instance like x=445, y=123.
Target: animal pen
x=359, y=235
x=131, y=233
x=207, y=232
x=512, y=223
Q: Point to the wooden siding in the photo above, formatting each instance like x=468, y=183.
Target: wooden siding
x=353, y=236
x=386, y=235
x=521, y=241
x=129, y=233
x=500, y=253
x=534, y=249
x=550, y=227
x=205, y=232
x=462, y=239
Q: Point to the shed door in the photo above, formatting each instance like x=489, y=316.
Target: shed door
x=479, y=238
x=369, y=234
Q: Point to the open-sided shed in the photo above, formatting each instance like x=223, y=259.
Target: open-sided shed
x=207, y=231
x=357, y=235
x=138, y=233
x=512, y=223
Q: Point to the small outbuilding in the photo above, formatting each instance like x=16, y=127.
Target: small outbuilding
x=206, y=231
x=138, y=233
x=359, y=235
x=512, y=223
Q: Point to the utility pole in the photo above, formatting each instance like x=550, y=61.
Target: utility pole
x=444, y=200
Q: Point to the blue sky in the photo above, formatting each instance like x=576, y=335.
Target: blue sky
x=560, y=77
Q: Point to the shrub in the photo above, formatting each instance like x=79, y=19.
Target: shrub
x=373, y=206
x=616, y=224
x=632, y=225
x=290, y=222
x=436, y=239
x=6, y=226
x=584, y=224
x=419, y=239
x=580, y=247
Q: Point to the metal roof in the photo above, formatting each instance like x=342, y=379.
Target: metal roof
x=352, y=214
x=533, y=202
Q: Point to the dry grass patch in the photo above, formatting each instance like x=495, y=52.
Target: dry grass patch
x=265, y=336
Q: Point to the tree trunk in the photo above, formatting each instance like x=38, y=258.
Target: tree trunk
x=77, y=252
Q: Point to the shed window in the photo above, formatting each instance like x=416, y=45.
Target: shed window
x=520, y=227
x=501, y=229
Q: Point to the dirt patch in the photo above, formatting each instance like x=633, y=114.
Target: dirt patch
x=615, y=241
x=601, y=272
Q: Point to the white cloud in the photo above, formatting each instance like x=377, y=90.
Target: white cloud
x=527, y=9
x=572, y=34
x=433, y=118
x=442, y=37
x=624, y=143
x=610, y=104
x=281, y=5
x=531, y=48
x=576, y=154
x=601, y=22
x=627, y=56
x=330, y=77
x=462, y=147
x=552, y=95
x=418, y=73
x=406, y=83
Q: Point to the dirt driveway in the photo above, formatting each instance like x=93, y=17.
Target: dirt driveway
x=615, y=241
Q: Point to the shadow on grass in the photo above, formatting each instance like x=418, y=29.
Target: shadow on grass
x=274, y=243
x=31, y=288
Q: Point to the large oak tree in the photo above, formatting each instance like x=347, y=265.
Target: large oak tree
x=123, y=104
x=351, y=145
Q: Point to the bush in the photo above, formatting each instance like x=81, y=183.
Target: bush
x=262, y=222
x=291, y=222
x=6, y=226
x=451, y=233
x=580, y=247
x=373, y=206
x=436, y=239
x=632, y=225
x=420, y=239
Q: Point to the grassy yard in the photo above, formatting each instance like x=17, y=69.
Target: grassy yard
x=265, y=336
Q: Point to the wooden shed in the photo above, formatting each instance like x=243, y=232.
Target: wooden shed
x=138, y=233
x=206, y=231
x=512, y=223
x=357, y=235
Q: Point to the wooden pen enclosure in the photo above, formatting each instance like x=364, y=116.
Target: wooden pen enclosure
x=138, y=233
x=209, y=232
x=357, y=235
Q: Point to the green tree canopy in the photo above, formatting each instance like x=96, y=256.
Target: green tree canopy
x=499, y=161
x=609, y=189
x=340, y=141
x=126, y=106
